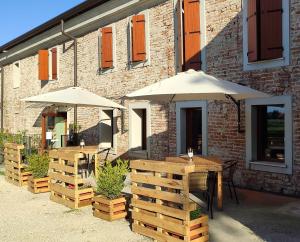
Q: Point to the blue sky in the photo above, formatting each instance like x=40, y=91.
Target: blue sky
x=20, y=16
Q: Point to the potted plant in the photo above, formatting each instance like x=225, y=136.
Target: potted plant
x=38, y=165
x=109, y=204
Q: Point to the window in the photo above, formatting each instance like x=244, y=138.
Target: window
x=107, y=129
x=139, y=128
x=16, y=75
x=269, y=134
x=266, y=33
x=139, y=40
x=107, y=48
x=48, y=64
x=190, y=22
x=191, y=127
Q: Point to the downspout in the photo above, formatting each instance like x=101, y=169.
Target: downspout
x=75, y=65
x=2, y=98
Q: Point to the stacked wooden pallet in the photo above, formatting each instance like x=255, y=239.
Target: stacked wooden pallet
x=38, y=185
x=14, y=167
x=65, y=183
x=161, y=205
x=109, y=210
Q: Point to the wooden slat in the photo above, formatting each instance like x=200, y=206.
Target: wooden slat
x=60, y=177
x=167, y=196
x=162, y=166
x=61, y=167
x=164, y=182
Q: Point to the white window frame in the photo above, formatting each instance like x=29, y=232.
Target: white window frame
x=50, y=62
x=286, y=168
x=113, y=149
x=114, y=39
x=16, y=76
x=140, y=105
x=285, y=60
x=192, y=104
x=147, y=62
x=180, y=57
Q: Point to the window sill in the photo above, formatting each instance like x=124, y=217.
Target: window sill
x=259, y=65
x=139, y=64
x=106, y=70
x=270, y=167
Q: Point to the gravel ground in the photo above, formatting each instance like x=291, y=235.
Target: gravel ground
x=28, y=217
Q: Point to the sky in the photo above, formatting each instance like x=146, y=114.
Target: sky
x=20, y=16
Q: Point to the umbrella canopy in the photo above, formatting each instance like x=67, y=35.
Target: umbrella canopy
x=73, y=96
x=193, y=85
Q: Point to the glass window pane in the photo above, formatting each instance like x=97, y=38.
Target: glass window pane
x=270, y=133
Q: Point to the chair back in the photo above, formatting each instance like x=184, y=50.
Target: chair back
x=230, y=168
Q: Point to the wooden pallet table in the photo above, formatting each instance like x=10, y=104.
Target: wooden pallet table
x=38, y=185
x=65, y=183
x=109, y=210
x=161, y=204
x=14, y=166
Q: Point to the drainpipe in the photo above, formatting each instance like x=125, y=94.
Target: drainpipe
x=2, y=98
x=75, y=65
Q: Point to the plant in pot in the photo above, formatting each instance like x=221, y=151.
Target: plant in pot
x=38, y=165
x=109, y=203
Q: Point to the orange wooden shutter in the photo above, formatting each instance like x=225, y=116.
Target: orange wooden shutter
x=192, y=35
x=138, y=38
x=271, y=29
x=43, y=65
x=252, y=31
x=106, y=48
x=54, y=63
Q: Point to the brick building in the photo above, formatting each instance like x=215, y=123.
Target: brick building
x=126, y=45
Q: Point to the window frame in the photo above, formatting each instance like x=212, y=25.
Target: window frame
x=287, y=167
x=285, y=60
x=179, y=36
x=192, y=104
x=113, y=148
x=147, y=62
x=140, y=105
x=114, y=46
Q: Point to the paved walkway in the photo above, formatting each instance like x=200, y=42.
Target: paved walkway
x=28, y=217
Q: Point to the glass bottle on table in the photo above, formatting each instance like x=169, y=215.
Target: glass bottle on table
x=190, y=154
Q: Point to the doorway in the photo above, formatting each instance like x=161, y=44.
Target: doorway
x=54, y=129
x=191, y=127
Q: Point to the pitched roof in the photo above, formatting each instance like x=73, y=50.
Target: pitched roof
x=71, y=13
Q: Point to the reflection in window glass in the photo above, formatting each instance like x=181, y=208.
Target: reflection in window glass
x=269, y=139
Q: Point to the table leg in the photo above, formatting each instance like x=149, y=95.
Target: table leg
x=220, y=191
x=96, y=165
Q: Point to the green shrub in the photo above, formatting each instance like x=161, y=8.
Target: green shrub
x=38, y=165
x=111, y=179
x=195, y=214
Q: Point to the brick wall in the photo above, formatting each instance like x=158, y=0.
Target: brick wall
x=224, y=60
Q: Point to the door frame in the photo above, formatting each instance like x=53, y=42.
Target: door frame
x=44, y=120
x=191, y=104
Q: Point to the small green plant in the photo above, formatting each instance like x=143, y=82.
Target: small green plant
x=38, y=165
x=2, y=173
x=195, y=214
x=110, y=181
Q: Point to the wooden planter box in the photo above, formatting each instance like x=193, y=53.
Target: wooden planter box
x=38, y=185
x=161, y=204
x=65, y=182
x=14, y=167
x=109, y=210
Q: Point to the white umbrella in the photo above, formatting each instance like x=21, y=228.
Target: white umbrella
x=73, y=96
x=193, y=85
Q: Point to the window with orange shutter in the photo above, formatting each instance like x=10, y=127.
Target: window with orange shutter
x=54, y=63
x=106, y=48
x=43, y=65
x=264, y=30
x=192, y=34
x=138, y=41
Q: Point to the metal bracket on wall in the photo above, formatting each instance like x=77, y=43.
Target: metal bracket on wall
x=238, y=105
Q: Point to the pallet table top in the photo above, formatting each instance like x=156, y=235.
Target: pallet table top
x=85, y=149
x=202, y=163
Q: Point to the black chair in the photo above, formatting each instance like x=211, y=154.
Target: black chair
x=204, y=182
x=229, y=169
